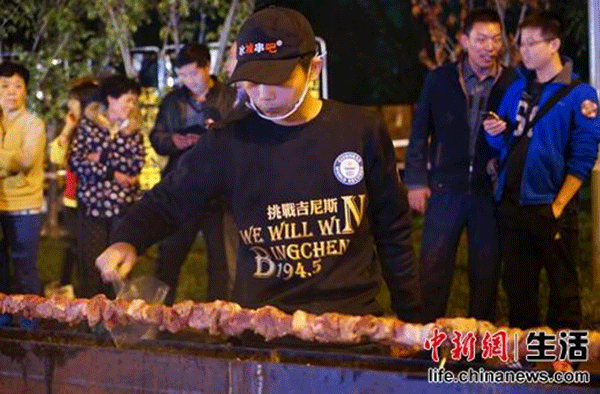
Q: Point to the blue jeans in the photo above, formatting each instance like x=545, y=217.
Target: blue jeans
x=19, y=245
x=447, y=214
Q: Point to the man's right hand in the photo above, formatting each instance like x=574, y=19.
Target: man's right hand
x=494, y=126
x=417, y=198
x=116, y=261
x=180, y=141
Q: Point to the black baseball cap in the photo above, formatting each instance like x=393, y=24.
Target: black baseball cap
x=270, y=44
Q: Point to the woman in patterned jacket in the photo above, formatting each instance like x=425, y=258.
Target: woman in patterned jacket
x=107, y=156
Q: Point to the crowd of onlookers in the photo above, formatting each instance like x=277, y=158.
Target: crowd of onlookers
x=101, y=148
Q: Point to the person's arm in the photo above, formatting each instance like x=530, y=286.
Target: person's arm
x=498, y=127
x=568, y=189
x=582, y=150
x=81, y=154
x=127, y=167
x=415, y=172
x=71, y=121
x=161, y=136
x=583, y=146
x=132, y=163
x=181, y=195
x=392, y=224
x=21, y=159
x=495, y=133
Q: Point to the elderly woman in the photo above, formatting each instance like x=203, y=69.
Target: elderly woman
x=22, y=142
x=107, y=155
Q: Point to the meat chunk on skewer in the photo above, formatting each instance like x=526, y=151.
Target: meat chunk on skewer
x=205, y=316
x=272, y=323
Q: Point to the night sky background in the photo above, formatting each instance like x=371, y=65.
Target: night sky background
x=372, y=45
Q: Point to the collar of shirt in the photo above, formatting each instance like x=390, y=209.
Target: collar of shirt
x=472, y=79
x=210, y=97
x=9, y=119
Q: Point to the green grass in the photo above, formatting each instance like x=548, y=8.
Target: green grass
x=193, y=279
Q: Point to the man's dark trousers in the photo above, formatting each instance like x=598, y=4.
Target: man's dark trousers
x=174, y=249
x=532, y=238
x=447, y=214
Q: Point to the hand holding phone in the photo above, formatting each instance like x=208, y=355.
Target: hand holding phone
x=493, y=124
x=491, y=115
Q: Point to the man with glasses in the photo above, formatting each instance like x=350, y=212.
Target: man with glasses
x=446, y=166
x=548, y=140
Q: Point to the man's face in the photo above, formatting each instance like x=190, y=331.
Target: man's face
x=276, y=100
x=194, y=77
x=120, y=108
x=536, y=50
x=483, y=43
x=13, y=93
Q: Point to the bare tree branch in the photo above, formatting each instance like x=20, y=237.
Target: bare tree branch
x=174, y=23
x=521, y=18
x=122, y=36
x=225, y=34
x=58, y=49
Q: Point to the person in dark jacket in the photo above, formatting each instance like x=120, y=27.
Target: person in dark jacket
x=183, y=114
x=313, y=184
x=455, y=191
x=544, y=163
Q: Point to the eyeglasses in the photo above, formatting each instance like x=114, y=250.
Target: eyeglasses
x=533, y=43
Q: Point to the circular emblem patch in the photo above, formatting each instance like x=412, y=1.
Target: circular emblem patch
x=348, y=168
x=589, y=109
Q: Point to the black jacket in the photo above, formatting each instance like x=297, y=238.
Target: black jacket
x=171, y=117
x=441, y=114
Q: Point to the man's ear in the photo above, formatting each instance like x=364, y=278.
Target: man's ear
x=555, y=44
x=464, y=40
x=316, y=65
x=110, y=100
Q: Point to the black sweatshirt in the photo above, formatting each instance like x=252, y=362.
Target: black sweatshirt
x=311, y=203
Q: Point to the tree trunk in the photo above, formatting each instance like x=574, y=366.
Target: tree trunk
x=174, y=22
x=225, y=34
x=127, y=62
x=123, y=42
x=202, y=34
x=501, y=13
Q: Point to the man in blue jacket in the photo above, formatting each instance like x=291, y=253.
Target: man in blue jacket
x=455, y=191
x=544, y=160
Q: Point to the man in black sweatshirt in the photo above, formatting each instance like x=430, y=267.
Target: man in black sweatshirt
x=313, y=185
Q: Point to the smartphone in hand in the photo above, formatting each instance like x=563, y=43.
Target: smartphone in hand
x=491, y=115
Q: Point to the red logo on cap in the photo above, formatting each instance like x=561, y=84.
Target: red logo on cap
x=259, y=47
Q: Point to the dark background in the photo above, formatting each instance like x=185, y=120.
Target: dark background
x=372, y=45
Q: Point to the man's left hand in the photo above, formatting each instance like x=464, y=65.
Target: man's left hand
x=192, y=138
x=557, y=209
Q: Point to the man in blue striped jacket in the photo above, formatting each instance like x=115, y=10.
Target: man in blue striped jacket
x=547, y=135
